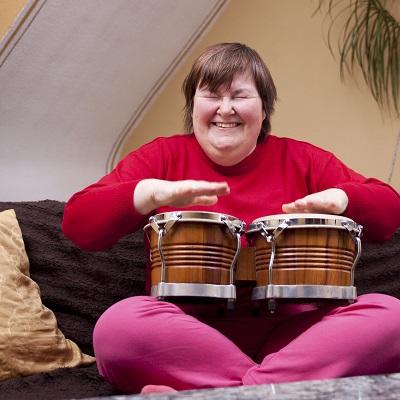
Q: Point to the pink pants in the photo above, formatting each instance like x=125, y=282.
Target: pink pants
x=141, y=341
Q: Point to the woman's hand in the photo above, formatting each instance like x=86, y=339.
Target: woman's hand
x=330, y=201
x=154, y=193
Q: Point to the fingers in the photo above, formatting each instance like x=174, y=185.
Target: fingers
x=203, y=200
x=330, y=201
x=294, y=208
x=189, y=193
x=151, y=194
x=307, y=204
x=201, y=188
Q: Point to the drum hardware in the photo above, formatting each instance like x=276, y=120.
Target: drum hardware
x=291, y=257
x=162, y=231
x=187, y=258
x=304, y=268
x=356, y=237
x=270, y=239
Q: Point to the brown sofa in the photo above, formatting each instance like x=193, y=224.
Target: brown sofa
x=78, y=286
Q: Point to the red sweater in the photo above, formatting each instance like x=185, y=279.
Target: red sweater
x=278, y=171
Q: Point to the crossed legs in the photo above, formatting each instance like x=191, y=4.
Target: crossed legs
x=141, y=341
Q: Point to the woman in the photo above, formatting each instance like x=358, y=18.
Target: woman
x=230, y=164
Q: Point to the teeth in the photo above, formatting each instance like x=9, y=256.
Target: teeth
x=222, y=125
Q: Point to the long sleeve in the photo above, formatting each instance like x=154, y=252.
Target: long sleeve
x=101, y=214
x=376, y=206
x=278, y=171
x=372, y=203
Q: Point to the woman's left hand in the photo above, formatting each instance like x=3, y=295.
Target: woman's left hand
x=330, y=201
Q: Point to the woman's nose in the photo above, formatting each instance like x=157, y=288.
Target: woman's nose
x=225, y=106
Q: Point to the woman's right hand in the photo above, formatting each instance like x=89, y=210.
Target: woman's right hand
x=151, y=194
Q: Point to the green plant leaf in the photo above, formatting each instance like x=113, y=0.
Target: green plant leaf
x=369, y=38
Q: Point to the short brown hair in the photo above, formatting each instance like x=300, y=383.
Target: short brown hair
x=217, y=65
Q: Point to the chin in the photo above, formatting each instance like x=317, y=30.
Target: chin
x=226, y=159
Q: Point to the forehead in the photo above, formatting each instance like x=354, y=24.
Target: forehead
x=241, y=81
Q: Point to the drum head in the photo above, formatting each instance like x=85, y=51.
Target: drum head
x=303, y=220
x=199, y=216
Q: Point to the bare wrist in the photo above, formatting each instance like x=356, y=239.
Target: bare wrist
x=143, y=197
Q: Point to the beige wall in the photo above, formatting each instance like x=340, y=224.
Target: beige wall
x=9, y=9
x=314, y=105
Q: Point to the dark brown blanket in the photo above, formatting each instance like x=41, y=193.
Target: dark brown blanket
x=80, y=286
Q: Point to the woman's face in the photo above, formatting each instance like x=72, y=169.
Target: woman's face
x=227, y=122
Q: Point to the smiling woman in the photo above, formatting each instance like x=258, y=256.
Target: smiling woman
x=227, y=122
x=214, y=70
x=229, y=102
x=229, y=168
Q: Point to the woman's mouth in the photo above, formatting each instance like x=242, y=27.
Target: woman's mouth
x=226, y=125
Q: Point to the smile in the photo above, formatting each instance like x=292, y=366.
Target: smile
x=225, y=125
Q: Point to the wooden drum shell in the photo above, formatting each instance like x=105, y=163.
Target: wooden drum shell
x=306, y=256
x=305, y=250
x=194, y=252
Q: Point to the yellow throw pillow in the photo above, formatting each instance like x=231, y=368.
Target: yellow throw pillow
x=30, y=341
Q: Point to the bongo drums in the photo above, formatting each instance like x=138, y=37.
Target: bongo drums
x=299, y=257
x=194, y=254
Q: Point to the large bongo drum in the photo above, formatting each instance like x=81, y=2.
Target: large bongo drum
x=305, y=257
x=194, y=253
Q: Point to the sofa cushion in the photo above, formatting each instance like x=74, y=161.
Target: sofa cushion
x=30, y=340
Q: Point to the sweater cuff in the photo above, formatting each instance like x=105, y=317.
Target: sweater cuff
x=355, y=204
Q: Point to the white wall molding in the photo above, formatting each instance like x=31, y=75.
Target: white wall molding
x=139, y=113
x=19, y=27
x=76, y=76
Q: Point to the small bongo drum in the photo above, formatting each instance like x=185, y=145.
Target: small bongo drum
x=305, y=256
x=194, y=253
